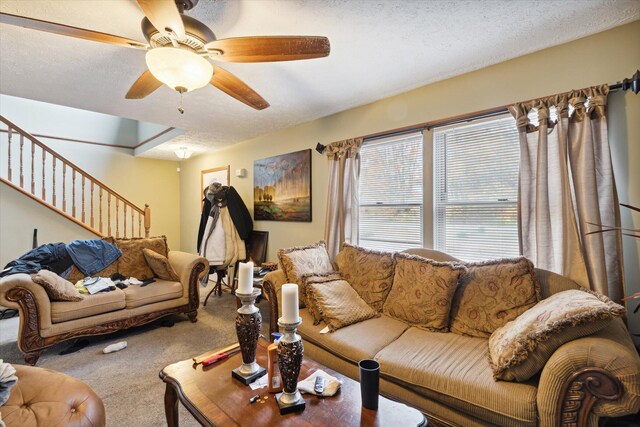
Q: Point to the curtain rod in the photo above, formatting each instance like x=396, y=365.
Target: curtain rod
x=632, y=83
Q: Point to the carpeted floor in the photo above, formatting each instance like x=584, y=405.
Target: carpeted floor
x=127, y=381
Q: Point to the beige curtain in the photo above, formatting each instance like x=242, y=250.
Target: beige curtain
x=566, y=181
x=342, y=199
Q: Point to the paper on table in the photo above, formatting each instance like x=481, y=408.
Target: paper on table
x=259, y=383
x=325, y=330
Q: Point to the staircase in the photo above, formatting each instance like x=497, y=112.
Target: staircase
x=38, y=172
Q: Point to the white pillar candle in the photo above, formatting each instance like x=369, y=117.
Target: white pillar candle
x=290, y=303
x=245, y=278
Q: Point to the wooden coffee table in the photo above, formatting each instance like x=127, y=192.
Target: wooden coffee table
x=216, y=399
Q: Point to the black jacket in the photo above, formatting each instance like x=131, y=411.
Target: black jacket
x=51, y=256
x=237, y=210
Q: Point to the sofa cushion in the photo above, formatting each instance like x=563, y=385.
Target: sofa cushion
x=521, y=348
x=354, y=342
x=314, y=278
x=493, y=293
x=160, y=290
x=160, y=265
x=369, y=272
x=132, y=262
x=454, y=368
x=57, y=288
x=303, y=260
x=91, y=305
x=422, y=292
x=338, y=304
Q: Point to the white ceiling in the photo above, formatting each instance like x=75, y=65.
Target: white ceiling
x=378, y=48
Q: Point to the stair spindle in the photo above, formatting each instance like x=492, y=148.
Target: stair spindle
x=82, y=198
x=73, y=193
x=133, y=232
x=124, y=216
x=21, y=160
x=44, y=190
x=64, y=186
x=91, y=204
x=53, y=193
x=117, y=214
x=100, y=209
x=147, y=220
x=9, y=155
x=33, y=168
x=109, y=214
x=139, y=225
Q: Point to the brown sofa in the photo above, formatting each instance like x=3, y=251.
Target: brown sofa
x=44, y=323
x=45, y=398
x=448, y=377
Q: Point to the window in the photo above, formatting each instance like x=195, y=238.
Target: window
x=391, y=211
x=476, y=190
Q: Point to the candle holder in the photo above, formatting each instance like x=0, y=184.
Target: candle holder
x=290, y=352
x=248, y=323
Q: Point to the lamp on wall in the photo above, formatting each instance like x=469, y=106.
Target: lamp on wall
x=183, y=153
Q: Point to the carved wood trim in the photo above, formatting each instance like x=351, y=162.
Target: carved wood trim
x=581, y=391
x=32, y=343
x=270, y=293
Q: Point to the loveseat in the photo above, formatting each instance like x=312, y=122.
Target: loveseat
x=44, y=322
x=448, y=376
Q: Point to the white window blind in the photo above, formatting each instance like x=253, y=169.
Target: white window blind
x=391, y=193
x=476, y=190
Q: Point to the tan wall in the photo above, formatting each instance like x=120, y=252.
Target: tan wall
x=139, y=180
x=604, y=57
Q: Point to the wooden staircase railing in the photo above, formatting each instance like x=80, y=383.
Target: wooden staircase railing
x=35, y=170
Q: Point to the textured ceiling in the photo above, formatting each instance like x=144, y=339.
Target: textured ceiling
x=378, y=48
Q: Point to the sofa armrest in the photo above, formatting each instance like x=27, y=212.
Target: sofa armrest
x=591, y=377
x=189, y=268
x=272, y=287
x=17, y=290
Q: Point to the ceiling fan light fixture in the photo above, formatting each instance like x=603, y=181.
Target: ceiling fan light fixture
x=179, y=68
x=183, y=153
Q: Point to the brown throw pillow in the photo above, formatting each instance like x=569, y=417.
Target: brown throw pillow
x=521, y=348
x=491, y=294
x=57, y=288
x=132, y=263
x=301, y=260
x=369, y=272
x=160, y=265
x=422, y=292
x=315, y=278
x=108, y=271
x=339, y=304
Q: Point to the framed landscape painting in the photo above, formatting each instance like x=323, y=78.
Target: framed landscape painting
x=282, y=187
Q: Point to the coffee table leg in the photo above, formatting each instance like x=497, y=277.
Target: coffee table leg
x=171, y=406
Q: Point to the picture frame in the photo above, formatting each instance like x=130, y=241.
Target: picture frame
x=222, y=174
x=282, y=187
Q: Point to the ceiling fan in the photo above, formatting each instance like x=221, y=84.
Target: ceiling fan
x=182, y=51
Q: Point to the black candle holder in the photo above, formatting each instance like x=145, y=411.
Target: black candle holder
x=290, y=353
x=248, y=323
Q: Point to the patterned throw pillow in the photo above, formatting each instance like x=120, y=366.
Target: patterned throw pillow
x=301, y=260
x=491, y=294
x=57, y=288
x=160, y=266
x=422, y=292
x=521, y=348
x=369, y=272
x=338, y=304
x=132, y=263
x=314, y=278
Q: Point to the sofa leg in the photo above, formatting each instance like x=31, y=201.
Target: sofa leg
x=31, y=358
x=193, y=316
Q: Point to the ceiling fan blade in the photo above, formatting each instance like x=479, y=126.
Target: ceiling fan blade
x=233, y=86
x=164, y=15
x=67, y=30
x=142, y=87
x=269, y=48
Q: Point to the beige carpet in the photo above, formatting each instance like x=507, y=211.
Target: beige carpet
x=127, y=381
